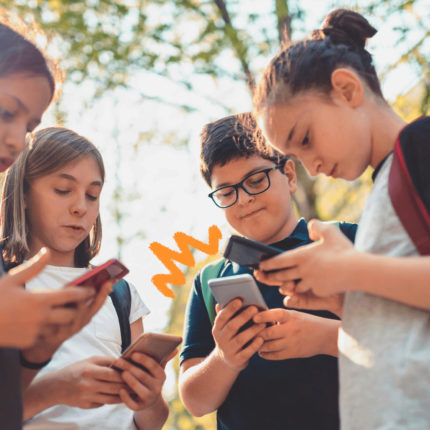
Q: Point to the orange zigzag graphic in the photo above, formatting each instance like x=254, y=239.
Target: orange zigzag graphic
x=167, y=256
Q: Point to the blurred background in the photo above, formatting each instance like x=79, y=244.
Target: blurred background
x=141, y=79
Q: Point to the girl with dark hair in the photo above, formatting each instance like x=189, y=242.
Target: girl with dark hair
x=320, y=101
x=27, y=87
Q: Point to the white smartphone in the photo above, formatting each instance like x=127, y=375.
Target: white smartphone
x=156, y=345
x=242, y=286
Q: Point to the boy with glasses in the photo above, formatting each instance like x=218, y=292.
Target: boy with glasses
x=228, y=367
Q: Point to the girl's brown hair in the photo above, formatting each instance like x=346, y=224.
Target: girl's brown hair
x=49, y=150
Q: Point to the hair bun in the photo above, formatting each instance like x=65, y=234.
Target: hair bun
x=345, y=27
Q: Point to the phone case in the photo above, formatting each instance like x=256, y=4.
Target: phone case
x=243, y=286
x=247, y=252
x=99, y=275
x=156, y=345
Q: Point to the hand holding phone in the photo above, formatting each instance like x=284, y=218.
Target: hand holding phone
x=247, y=252
x=112, y=269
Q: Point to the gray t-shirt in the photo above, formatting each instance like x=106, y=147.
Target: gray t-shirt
x=384, y=346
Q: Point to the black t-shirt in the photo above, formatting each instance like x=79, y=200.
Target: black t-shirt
x=286, y=394
x=10, y=390
x=10, y=382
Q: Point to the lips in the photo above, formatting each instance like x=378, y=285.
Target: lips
x=76, y=228
x=250, y=214
x=5, y=162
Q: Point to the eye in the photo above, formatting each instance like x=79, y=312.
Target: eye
x=228, y=192
x=6, y=115
x=61, y=192
x=91, y=197
x=305, y=141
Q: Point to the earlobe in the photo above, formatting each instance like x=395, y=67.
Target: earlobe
x=347, y=86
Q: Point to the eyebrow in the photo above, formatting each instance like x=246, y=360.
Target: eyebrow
x=291, y=134
x=72, y=178
x=257, y=169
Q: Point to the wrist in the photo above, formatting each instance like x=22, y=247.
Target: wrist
x=218, y=358
x=328, y=343
x=32, y=363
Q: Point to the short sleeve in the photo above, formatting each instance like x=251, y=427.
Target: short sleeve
x=198, y=340
x=138, y=308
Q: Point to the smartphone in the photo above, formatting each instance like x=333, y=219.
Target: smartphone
x=156, y=345
x=112, y=269
x=243, y=286
x=247, y=252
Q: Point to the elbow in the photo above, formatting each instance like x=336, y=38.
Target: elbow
x=191, y=403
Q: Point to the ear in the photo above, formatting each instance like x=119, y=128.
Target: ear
x=289, y=170
x=347, y=86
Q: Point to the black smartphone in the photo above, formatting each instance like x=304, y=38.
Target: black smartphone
x=247, y=252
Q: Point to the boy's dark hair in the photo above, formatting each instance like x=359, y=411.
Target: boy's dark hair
x=20, y=55
x=309, y=64
x=232, y=137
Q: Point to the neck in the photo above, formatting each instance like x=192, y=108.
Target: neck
x=386, y=128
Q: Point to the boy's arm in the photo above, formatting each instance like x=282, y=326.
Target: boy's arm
x=205, y=382
x=331, y=265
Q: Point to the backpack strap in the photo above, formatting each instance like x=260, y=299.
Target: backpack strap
x=210, y=271
x=121, y=299
x=407, y=202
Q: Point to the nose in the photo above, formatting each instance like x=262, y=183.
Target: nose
x=312, y=165
x=79, y=206
x=243, y=197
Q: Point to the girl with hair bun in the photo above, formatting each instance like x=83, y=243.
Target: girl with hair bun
x=320, y=101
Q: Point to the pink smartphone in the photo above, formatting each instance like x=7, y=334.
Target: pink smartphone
x=112, y=269
x=156, y=345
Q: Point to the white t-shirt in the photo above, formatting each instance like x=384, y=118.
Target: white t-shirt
x=101, y=337
x=384, y=346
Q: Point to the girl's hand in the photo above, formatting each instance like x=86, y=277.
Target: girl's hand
x=89, y=383
x=54, y=334
x=310, y=301
x=320, y=266
x=231, y=343
x=296, y=334
x=144, y=378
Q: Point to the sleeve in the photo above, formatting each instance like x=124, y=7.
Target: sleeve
x=138, y=308
x=415, y=143
x=198, y=340
x=349, y=230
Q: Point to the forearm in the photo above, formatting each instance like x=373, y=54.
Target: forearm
x=204, y=387
x=402, y=279
x=40, y=395
x=154, y=417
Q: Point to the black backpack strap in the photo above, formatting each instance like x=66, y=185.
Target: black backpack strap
x=121, y=299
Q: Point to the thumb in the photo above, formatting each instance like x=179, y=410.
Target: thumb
x=321, y=230
x=28, y=270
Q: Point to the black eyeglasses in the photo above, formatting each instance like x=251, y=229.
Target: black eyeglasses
x=253, y=184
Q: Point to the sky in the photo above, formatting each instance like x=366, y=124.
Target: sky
x=160, y=183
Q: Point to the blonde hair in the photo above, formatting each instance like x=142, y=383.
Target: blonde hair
x=48, y=150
